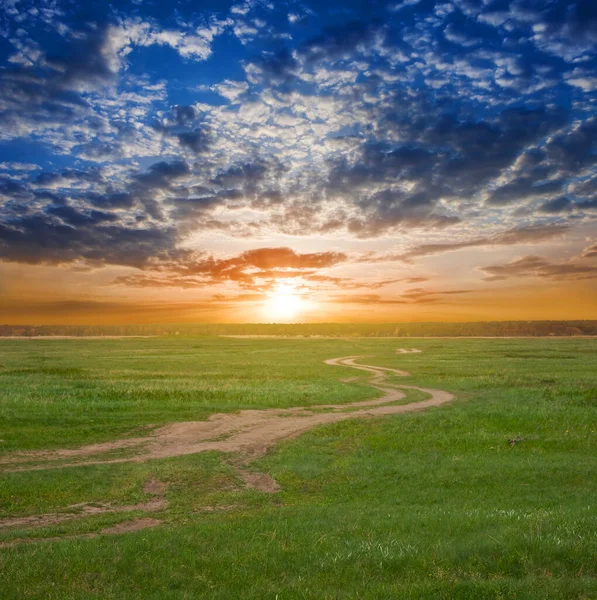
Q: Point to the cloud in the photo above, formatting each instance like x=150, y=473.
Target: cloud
x=74, y=216
x=147, y=135
x=66, y=235
x=268, y=258
x=574, y=149
x=59, y=89
x=533, y=234
x=185, y=125
x=538, y=266
x=363, y=299
x=329, y=283
x=590, y=252
x=462, y=34
x=256, y=269
x=413, y=296
x=161, y=175
x=412, y=183
x=340, y=42
x=557, y=205
x=19, y=166
x=522, y=189
x=82, y=310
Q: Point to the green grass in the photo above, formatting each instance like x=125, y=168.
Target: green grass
x=432, y=505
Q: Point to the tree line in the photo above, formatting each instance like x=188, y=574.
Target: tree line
x=432, y=329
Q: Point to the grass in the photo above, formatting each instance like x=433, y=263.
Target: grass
x=428, y=505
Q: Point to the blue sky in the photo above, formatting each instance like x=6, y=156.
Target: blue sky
x=402, y=155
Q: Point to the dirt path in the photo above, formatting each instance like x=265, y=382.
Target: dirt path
x=248, y=433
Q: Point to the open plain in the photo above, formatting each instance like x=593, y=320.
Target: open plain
x=269, y=468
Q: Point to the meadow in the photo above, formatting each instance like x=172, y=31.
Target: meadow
x=437, y=504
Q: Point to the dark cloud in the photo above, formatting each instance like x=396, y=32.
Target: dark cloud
x=339, y=42
x=575, y=149
x=522, y=189
x=587, y=204
x=590, y=252
x=111, y=199
x=413, y=296
x=73, y=217
x=519, y=235
x=555, y=206
x=52, y=90
x=185, y=125
x=86, y=62
x=184, y=114
x=447, y=158
x=246, y=175
x=197, y=141
x=237, y=186
x=66, y=235
x=388, y=208
x=281, y=69
x=13, y=189
x=67, y=177
x=162, y=175
x=541, y=267
x=585, y=190
x=480, y=151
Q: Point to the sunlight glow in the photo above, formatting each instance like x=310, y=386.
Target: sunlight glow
x=283, y=304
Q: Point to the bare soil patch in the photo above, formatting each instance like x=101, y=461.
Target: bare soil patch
x=132, y=525
x=259, y=481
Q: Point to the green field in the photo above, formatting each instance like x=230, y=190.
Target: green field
x=433, y=504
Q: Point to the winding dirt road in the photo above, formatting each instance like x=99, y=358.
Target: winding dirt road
x=248, y=433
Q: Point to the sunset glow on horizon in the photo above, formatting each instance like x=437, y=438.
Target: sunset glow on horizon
x=256, y=161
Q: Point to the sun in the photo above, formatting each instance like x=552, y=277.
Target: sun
x=283, y=304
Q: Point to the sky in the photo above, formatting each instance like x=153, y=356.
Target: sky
x=172, y=161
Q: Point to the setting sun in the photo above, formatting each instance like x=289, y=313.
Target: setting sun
x=283, y=304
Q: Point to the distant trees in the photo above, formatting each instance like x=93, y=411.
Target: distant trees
x=473, y=329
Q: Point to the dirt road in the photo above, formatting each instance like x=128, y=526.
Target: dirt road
x=249, y=433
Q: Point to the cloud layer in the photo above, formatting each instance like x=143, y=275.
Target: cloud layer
x=133, y=136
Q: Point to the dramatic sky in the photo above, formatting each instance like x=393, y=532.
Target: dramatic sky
x=267, y=160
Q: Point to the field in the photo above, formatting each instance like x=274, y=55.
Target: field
x=488, y=495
